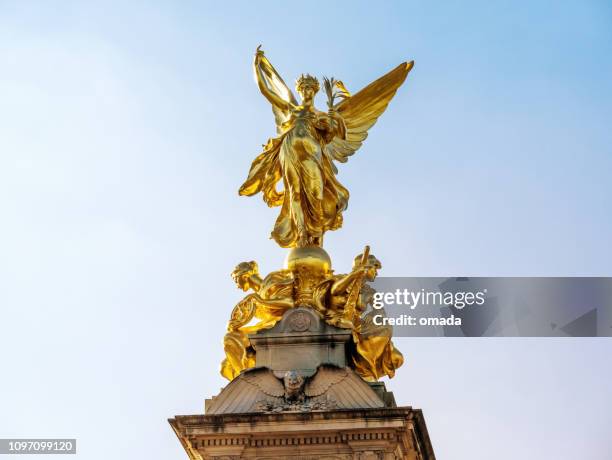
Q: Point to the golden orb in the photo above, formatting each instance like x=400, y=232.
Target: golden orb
x=312, y=259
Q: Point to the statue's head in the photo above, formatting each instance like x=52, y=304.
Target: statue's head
x=242, y=274
x=293, y=383
x=307, y=86
x=372, y=266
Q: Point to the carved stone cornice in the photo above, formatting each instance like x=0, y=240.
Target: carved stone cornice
x=389, y=433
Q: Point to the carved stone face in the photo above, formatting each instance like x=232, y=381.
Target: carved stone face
x=293, y=382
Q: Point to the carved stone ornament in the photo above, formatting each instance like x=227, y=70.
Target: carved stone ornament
x=294, y=386
x=268, y=406
x=299, y=322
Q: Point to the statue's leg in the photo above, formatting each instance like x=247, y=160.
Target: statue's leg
x=295, y=204
x=315, y=194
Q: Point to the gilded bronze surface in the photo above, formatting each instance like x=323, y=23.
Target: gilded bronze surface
x=309, y=142
x=312, y=201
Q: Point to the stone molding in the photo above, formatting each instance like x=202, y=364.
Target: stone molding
x=368, y=434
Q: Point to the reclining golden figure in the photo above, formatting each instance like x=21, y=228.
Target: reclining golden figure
x=341, y=300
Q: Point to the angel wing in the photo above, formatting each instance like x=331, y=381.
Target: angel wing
x=264, y=380
x=325, y=378
x=246, y=392
x=275, y=84
x=361, y=111
x=342, y=386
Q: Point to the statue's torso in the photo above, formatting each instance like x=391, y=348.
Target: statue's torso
x=302, y=141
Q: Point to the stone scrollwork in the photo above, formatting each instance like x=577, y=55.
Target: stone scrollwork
x=296, y=406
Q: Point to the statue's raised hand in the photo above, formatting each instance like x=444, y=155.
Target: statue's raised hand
x=259, y=53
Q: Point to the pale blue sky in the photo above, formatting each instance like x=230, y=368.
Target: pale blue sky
x=126, y=129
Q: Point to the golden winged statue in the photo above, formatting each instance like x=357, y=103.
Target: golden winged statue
x=309, y=141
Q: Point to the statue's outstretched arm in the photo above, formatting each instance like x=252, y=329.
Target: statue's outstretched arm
x=271, y=96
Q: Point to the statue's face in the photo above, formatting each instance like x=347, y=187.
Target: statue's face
x=371, y=269
x=307, y=94
x=242, y=282
x=371, y=272
x=242, y=273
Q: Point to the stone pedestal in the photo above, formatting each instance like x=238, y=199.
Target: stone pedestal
x=303, y=402
x=301, y=342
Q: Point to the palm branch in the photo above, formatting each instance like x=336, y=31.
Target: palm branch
x=334, y=89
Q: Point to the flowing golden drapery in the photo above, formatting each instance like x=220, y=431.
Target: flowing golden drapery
x=312, y=199
x=272, y=297
x=372, y=353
